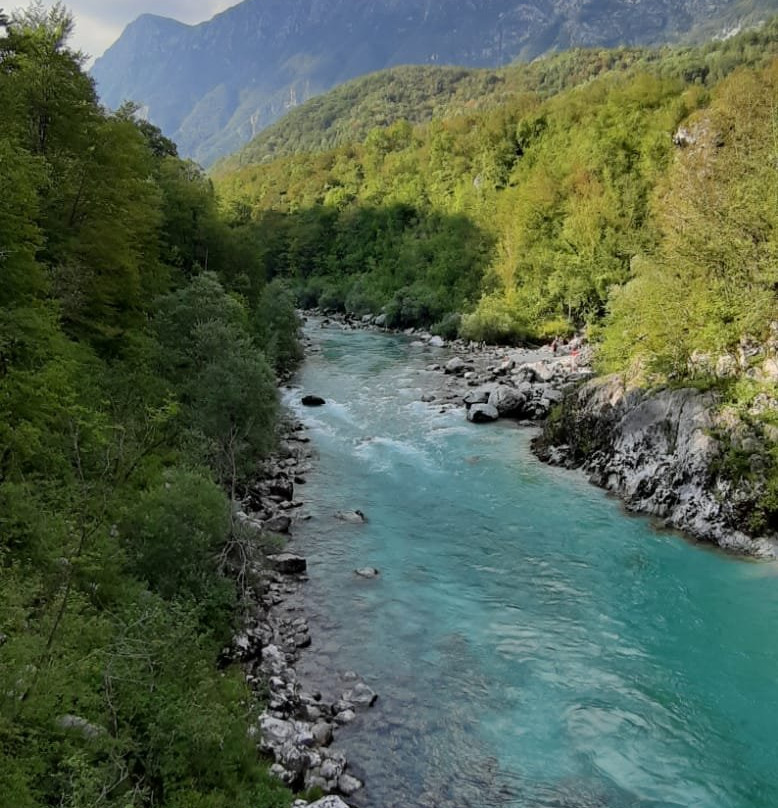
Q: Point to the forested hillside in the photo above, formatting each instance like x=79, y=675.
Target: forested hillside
x=419, y=94
x=529, y=217
x=214, y=86
x=137, y=390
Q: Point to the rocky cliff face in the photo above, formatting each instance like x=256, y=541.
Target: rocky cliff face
x=664, y=453
x=213, y=86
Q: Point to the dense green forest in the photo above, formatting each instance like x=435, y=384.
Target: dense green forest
x=139, y=345
x=532, y=215
x=631, y=193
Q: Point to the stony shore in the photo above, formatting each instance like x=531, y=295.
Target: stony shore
x=297, y=727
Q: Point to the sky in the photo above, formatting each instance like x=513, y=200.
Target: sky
x=100, y=22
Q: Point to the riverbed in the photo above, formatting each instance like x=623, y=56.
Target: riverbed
x=531, y=644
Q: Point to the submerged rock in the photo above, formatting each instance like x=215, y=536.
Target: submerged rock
x=355, y=517
x=361, y=695
x=312, y=401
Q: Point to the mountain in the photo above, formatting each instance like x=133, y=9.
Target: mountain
x=214, y=86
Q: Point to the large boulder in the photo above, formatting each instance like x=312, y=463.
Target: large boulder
x=482, y=414
x=275, y=732
x=476, y=397
x=455, y=366
x=508, y=401
x=280, y=523
x=540, y=371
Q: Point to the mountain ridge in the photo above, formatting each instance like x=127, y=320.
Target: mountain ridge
x=214, y=86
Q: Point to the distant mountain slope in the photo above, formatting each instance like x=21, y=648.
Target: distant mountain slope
x=418, y=94
x=214, y=86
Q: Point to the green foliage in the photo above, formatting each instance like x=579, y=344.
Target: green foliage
x=113, y=602
x=529, y=213
x=275, y=324
x=369, y=106
x=220, y=375
x=173, y=533
x=712, y=276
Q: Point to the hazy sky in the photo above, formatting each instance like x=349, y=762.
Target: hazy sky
x=99, y=22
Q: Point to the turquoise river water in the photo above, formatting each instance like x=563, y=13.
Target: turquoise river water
x=532, y=645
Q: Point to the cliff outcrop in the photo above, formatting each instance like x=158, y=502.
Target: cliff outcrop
x=674, y=453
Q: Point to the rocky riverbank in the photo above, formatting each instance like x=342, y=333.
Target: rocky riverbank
x=490, y=381
x=667, y=453
x=297, y=727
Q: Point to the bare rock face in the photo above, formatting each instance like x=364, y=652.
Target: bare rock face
x=661, y=452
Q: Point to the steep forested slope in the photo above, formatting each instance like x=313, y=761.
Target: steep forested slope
x=135, y=391
x=213, y=86
x=537, y=206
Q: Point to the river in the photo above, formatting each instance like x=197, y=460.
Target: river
x=532, y=645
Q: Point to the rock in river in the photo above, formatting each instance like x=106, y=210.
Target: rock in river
x=355, y=517
x=482, y=413
x=313, y=401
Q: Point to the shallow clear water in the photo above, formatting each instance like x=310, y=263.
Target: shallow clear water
x=531, y=644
